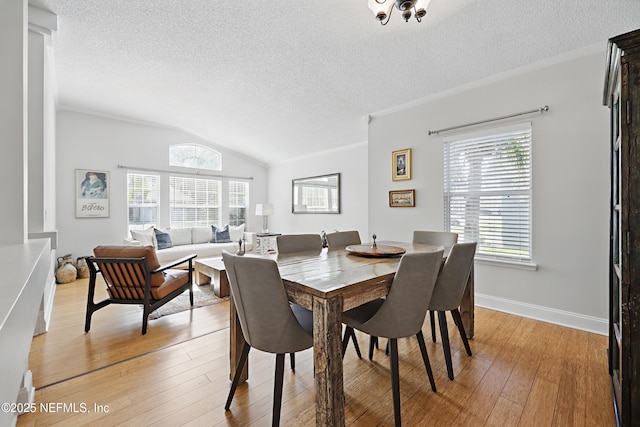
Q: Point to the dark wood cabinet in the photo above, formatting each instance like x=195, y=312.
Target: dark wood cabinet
x=622, y=96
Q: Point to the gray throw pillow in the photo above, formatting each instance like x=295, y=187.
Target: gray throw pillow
x=163, y=239
x=220, y=235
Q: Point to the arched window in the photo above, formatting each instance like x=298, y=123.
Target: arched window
x=195, y=156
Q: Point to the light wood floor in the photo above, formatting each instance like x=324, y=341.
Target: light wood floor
x=523, y=373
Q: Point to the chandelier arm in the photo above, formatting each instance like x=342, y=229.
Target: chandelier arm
x=388, y=17
x=415, y=13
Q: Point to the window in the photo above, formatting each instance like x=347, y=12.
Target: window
x=194, y=201
x=487, y=191
x=238, y=202
x=195, y=156
x=142, y=200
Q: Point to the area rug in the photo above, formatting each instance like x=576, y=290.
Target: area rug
x=202, y=296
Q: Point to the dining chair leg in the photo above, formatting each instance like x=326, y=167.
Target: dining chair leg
x=355, y=343
x=345, y=340
x=432, y=321
x=236, y=378
x=444, y=333
x=457, y=318
x=373, y=343
x=277, y=389
x=292, y=357
x=425, y=359
x=349, y=333
x=395, y=380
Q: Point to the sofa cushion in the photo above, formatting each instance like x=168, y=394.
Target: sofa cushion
x=180, y=236
x=163, y=239
x=201, y=234
x=236, y=233
x=145, y=237
x=203, y=250
x=220, y=235
x=147, y=252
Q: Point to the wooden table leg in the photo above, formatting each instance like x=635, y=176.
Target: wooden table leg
x=220, y=283
x=236, y=343
x=201, y=277
x=327, y=355
x=467, y=305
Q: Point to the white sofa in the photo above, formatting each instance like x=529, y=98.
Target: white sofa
x=193, y=240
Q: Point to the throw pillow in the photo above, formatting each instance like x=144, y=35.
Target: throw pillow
x=145, y=237
x=220, y=235
x=236, y=233
x=163, y=239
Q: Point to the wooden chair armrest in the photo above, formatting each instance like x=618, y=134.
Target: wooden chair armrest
x=182, y=260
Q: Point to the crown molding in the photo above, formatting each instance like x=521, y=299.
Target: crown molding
x=42, y=21
x=495, y=78
x=323, y=152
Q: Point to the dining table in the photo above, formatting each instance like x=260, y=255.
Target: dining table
x=329, y=282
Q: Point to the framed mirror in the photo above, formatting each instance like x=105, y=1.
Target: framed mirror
x=316, y=195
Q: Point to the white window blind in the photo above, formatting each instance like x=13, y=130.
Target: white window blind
x=194, y=201
x=238, y=202
x=142, y=200
x=487, y=191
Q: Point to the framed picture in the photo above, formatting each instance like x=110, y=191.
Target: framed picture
x=401, y=164
x=402, y=198
x=92, y=193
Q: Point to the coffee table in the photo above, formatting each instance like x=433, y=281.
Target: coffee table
x=211, y=270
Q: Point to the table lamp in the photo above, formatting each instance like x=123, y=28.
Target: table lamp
x=264, y=210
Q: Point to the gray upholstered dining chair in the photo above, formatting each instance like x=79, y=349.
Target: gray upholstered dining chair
x=435, y=238
x=269, y=323
x=448, y=293
x=402, y=313
x=288, y=243
x=342, y=239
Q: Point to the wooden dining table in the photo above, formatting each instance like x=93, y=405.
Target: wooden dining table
x=329, y=282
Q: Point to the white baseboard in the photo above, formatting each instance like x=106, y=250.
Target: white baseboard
x=592, y=324
x=27, y=392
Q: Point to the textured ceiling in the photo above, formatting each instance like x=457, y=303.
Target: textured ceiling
x=282, y=79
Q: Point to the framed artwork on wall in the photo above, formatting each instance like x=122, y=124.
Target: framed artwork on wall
x=401, y=164
x=402, y=198
x=92, y=193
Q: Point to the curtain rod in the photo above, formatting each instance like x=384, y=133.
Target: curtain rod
x=539, y=110
x=184, y=173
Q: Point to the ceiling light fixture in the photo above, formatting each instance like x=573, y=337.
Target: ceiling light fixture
x=382, y=9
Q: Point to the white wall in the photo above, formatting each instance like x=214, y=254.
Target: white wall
x=351, y=162
x=86, y=141
x=13, y=121
x=570, y=184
